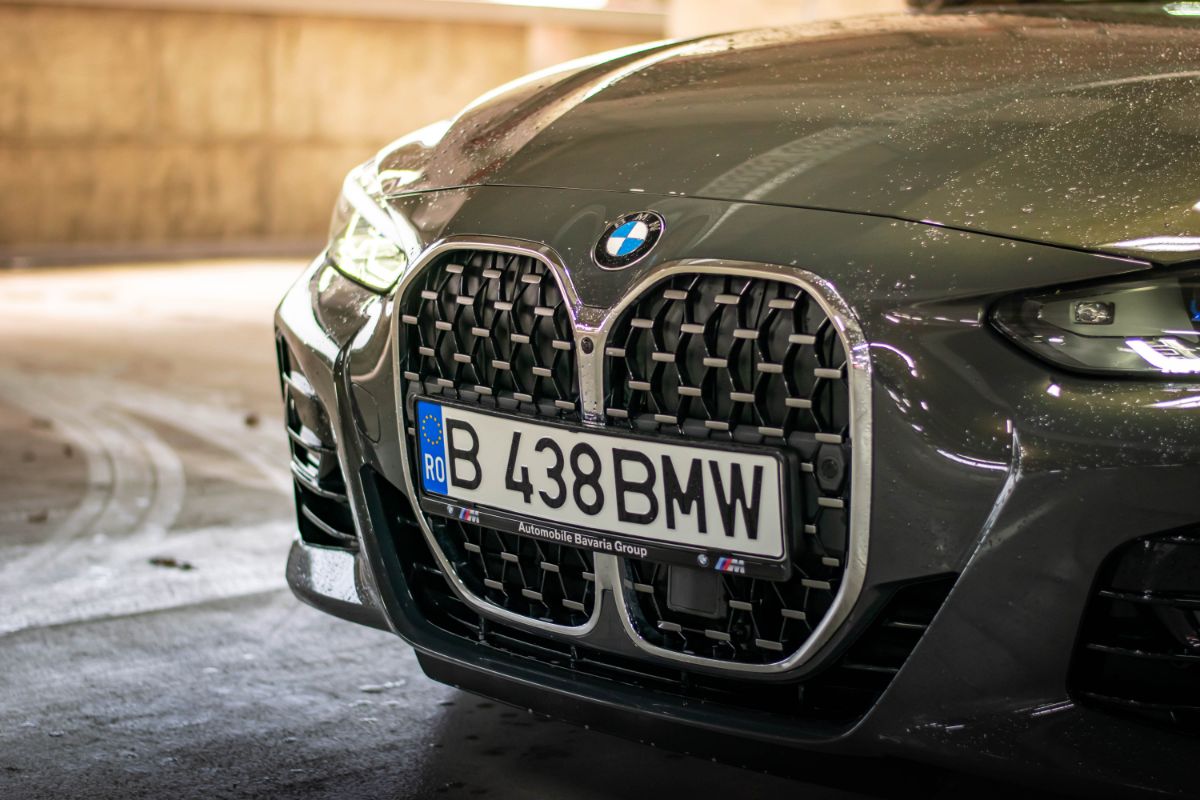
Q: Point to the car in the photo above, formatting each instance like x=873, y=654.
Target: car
x=801, y=395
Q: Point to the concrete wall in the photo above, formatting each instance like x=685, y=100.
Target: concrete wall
x=699, y=17
x=144, y=126
x=152, y=124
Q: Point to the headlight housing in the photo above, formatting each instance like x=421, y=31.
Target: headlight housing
x=368, y=242
x=1142, y=328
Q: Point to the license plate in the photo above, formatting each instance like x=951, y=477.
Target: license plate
x=719, y=508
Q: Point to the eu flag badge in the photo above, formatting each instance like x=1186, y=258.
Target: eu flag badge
x=431, y=437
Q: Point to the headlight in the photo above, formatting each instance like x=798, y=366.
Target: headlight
x=368, y=243
x=1146, y=327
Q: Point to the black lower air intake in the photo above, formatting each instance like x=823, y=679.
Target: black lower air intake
x=1139, y=649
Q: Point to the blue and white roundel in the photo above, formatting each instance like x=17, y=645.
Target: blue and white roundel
x=628, y=239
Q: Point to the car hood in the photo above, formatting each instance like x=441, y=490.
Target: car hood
x=1076, y=127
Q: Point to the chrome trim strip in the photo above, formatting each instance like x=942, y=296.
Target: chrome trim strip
x=311, y=484
x=326, y=528
x=595, y=323
x=548, y=257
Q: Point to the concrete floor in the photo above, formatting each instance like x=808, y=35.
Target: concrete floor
x=148, y=644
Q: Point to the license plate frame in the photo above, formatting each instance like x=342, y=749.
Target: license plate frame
x=601, y=540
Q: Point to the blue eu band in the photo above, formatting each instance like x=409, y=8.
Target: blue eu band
x=431, y=437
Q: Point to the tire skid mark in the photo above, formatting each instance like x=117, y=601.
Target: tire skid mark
x=22, y=391
x=262, y=450
x=93, y=563
x=135, y=481
x=160, y=469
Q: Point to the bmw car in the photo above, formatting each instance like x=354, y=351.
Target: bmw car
x=824, y=393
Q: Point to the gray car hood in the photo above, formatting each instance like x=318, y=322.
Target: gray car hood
x=1074, y=127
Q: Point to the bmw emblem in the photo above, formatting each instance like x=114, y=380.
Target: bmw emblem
x=628, y=239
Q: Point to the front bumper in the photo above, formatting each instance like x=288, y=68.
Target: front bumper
x=987, y=466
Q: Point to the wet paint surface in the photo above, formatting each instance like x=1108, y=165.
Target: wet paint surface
x=1067, y=125
x=984, y=456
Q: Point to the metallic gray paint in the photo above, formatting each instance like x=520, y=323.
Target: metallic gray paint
x=987, y=462
x=1066, y=125
x=978, y=468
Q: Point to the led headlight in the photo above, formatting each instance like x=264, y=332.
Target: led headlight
x=1148, y=327
x=368, y=243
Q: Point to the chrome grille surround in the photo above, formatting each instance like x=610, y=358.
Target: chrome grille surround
x=491, y=328
x=595, y=324
x=739, y=360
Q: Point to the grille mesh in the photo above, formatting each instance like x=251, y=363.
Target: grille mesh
x=761, y=621
x=737, y=359
x=492, y=329
x=550, y=582
x=729, y=357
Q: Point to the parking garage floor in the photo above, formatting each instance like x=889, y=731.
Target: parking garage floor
x=148, y=644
